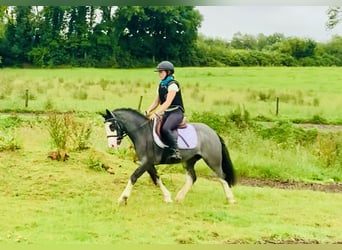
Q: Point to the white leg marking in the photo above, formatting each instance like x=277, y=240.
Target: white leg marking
x=227, y=191
x=126, y=193
x=166, y=192
x=185, y=189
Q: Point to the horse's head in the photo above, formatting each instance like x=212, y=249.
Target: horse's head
x=114, y=131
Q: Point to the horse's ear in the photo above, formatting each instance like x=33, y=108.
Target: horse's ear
x=108, y=113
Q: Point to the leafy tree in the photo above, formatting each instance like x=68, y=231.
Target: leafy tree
x=298, y=48
x=244, y=41
x=157, y=33
x=334, y=49
x=108, y=36
x=334, y=16
x=211, y=52
x=49, y=49
x=2, y=20
x=267, y=42
x=103, y=39
x=78, y=31
x=2, y=28
x=19, y=34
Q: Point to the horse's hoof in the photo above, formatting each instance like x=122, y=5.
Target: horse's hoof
x=180, y=197
x=123, y=201
x=232, y=202
x=179, y=200
x=168, y=200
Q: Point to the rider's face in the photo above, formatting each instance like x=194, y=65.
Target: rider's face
x=162, y=74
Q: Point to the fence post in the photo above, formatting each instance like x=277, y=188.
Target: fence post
x=26, y=98
x=277, y=106
x=140, y=101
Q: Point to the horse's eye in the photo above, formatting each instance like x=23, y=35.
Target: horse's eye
x=112, y=127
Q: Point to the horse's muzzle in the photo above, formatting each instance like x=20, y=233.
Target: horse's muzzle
x=113, y=141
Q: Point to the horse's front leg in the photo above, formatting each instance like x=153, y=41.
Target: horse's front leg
x=158, y=182
x=126, y=193
x=132, y=180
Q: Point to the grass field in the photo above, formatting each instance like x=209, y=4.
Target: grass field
x=303, y=92
x=75, y=201
x=66, y=202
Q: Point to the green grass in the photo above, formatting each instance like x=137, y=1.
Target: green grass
x=75, y=202
x=65, y=202
x=51, y=202
x=303, y=92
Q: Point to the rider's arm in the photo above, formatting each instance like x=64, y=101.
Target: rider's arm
x=169, y=98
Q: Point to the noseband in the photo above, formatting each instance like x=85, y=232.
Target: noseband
x=120, y=132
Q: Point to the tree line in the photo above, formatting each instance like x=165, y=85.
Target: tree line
x=135, y=36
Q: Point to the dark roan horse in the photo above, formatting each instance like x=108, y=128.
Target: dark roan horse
x=210, y=147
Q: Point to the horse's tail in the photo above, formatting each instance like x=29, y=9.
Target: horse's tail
x=227, y=165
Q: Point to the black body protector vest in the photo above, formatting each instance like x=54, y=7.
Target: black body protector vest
x=177, y=101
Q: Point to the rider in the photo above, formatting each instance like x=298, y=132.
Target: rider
x=170, y=102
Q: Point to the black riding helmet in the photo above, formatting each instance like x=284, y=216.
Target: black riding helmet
x=166, y=65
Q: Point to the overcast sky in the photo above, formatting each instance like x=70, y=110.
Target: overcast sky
x=296, y=21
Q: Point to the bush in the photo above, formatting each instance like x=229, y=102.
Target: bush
x=10, y=122
x=215, y=121
x=8, y=141
x=241, y=118
x=67, y=134
x=329, y=149
x=286, y=134
x=79, y=134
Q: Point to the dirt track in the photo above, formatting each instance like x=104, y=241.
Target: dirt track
x=272, y=240
x=256, y=182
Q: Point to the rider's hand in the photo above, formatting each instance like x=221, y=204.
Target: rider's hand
x=155, y=115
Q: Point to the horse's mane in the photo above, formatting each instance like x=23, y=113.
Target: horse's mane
x=130, y=110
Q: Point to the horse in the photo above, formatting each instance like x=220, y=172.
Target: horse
x=210, y=147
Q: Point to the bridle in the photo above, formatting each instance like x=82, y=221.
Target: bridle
x=121, y=133
x=115, y=125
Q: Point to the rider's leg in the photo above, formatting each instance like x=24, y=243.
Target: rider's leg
x=170, y=124
x=172, y=143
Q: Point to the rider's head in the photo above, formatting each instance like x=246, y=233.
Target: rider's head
x=167, y=67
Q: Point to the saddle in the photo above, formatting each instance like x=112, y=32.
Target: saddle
x=159, y=122
x=187, y=136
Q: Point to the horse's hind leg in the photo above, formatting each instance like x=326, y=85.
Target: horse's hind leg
x=227, y=191
x=157, y=181
x=215, y=165
x=190, y=178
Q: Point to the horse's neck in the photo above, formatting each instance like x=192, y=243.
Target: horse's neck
x=138, y=130
x=133, y=122
x=133, y=119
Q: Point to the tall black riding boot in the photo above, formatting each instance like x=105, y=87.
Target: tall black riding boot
x=172, y=143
